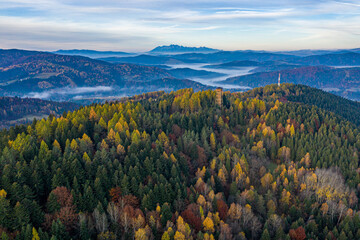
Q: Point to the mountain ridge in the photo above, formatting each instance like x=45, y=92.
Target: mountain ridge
x=91, y=53
x=22, y=72
x=173, y=48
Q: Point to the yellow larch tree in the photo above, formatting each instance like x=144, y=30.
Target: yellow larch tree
x=208, y=225
x=179, y=236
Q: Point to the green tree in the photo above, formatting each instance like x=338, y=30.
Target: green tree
x=265, y=235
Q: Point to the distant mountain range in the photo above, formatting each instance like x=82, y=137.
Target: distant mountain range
x=24, y=72
x=177, y=49
x=181, y=49
x=339, y=59
x=264, y=59
x=145, y=59
x=92, y=53
x=309, y=52
x=217, y=57
x=175, y=54
x=63, y=77
x=228, y=56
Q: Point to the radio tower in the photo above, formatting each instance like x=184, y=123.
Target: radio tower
x=279, y=80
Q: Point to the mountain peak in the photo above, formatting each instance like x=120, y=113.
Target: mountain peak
x=173, y=48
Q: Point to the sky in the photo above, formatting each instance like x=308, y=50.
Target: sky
x=140, y=25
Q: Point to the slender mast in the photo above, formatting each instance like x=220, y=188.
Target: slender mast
x=279, y=80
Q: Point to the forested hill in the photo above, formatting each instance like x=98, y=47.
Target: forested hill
x=178, y=166
x=342, y=81
x=350, y=110
x=15, y=110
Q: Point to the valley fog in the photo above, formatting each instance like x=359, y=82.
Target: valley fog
x=215, y=81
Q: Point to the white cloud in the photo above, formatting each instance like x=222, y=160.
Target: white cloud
x=142, y=24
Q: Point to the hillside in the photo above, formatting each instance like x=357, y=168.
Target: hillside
x=338, y=80
x=163, y=84
x=275, y=67
x=334, y=59
x=25, y=72
x=263, y=165
x=191, y=73
x=343, y=107
x=14, y=110
x=49, y=70
x=235, y=64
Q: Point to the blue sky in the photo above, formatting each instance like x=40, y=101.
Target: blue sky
x=140, y=25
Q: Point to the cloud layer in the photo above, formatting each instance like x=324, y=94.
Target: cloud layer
x=139, y=25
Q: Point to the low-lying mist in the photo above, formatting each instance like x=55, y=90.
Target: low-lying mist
x=68, y=93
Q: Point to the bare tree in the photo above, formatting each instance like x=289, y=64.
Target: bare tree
x=113, y=212
x=274, y=223
x=250, y=221
x=341, y=208
x=125, y=220
x=101, y=222
x=225, y=231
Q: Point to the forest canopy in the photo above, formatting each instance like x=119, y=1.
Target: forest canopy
x=270, y=163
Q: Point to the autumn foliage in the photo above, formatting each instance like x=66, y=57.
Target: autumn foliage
x=177, y=166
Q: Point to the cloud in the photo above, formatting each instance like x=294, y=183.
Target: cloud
x=139, y=25
x=190, y=16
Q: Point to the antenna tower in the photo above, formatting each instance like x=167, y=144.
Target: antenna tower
x=279, y=80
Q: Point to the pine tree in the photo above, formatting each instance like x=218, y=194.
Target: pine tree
x=165, y=214
x=28, y=232
x=22, y=216
x=265, y=235
x=5, y=215
x=84, y=231
x=58, y=230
